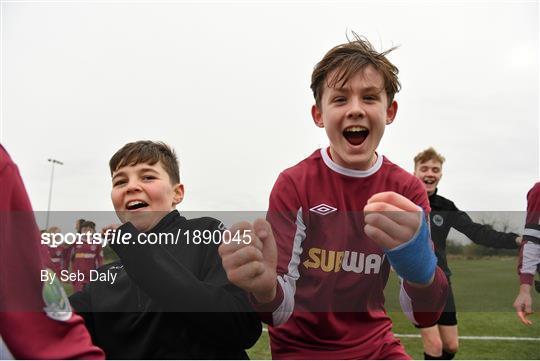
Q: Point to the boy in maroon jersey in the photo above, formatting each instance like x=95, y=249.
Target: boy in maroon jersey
x=87, y=255
x=36, y=321
x=529, y=256
x=55, y=252
x=69, y=249
x=337, y=221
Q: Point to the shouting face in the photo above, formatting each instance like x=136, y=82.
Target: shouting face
x=354, y=116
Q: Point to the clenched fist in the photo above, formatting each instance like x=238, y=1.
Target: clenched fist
x=251, y=265
x=391, y=219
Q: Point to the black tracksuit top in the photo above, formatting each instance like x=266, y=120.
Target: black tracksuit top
x=168, y=301
x=445, y=215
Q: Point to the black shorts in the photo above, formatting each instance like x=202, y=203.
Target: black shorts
x=448, y=316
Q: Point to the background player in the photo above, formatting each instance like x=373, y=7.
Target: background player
x=319, y=271
x=441, y=340
x=87, y=255
x=69, y=249
x=529, y=256
x=56, y=252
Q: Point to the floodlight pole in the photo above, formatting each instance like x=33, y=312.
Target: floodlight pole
x=53, y=162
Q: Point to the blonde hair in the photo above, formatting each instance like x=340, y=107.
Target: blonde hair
x=428, y=154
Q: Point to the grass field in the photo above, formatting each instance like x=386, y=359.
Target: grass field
x=484, y=290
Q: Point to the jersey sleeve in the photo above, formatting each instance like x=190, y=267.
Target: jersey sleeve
x=423, y=306
x=531, y=233
x=28, y=330
x=529, y=254
x=285, y=215
x=480, y=233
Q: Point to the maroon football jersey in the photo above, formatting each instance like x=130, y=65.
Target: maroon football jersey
x=529, y=255
x=331, y=276
x=57, y=258
x=36, y=321
x=87, y=256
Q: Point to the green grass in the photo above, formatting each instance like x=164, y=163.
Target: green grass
x=484, y=290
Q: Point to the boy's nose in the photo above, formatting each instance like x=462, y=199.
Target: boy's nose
x=356, y=110
x=133, y=187
x=431, y=174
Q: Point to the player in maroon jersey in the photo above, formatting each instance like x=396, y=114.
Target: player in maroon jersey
x=56, y=252
x=339, y=219
x=87, y=256
x=36, y=321
x=529, y=255
x=68, y=250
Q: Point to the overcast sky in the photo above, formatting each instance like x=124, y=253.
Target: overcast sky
x=227, y=85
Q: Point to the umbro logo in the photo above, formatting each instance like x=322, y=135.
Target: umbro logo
x=323, y=209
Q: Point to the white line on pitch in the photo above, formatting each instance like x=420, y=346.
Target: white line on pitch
x=501, y=338
x=487, y=338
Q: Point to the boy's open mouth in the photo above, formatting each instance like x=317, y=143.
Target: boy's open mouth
x=429, y=181
x=356, y=135
x=133, y=205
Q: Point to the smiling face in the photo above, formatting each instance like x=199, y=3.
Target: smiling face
x=354, y=116
x=430, y=173
x=143, y=194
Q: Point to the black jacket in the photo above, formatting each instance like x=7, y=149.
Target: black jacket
x=445, y=215
x=168, y=301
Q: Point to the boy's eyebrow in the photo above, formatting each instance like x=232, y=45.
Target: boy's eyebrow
x=119, y=174
x=373, y=89
x=347, y=89
x=141, y=170
x=147, y=169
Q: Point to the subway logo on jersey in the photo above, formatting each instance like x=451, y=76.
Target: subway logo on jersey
x=347, y=261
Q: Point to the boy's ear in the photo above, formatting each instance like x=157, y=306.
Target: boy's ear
x=316, y=114
x=391, y=112
x=178, y=193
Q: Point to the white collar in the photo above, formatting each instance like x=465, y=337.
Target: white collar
x=351, y=172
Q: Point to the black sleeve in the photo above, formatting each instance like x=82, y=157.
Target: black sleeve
x=217, y=309
x=480, y=233
x=82, y=305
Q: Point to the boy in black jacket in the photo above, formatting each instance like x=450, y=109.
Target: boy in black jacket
x=170, y=299
x=441, y=340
